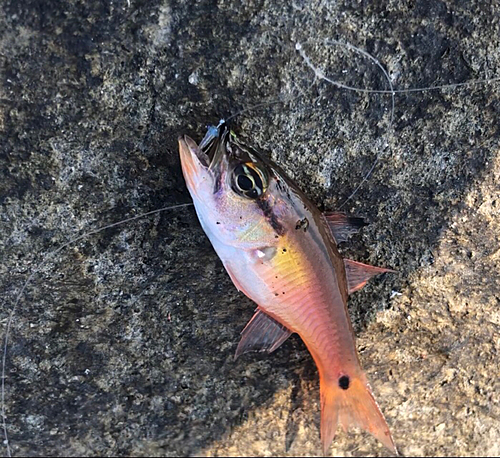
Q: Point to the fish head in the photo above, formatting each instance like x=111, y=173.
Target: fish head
x=238, y=195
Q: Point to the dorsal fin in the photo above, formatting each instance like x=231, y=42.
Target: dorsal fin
x=262, y=333
x=343, y=226
x=358, y=274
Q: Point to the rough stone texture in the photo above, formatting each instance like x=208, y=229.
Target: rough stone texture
x=123, y=343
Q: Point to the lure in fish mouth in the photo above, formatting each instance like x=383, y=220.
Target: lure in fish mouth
x=281, y=252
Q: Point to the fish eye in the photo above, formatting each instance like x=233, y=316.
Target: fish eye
x=248, y=180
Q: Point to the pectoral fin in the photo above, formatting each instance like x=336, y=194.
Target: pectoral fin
x=343, y=226
x=358, y=274
x=262, y=333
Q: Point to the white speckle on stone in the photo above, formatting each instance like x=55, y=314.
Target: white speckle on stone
x=440, y=428
x=194, y=78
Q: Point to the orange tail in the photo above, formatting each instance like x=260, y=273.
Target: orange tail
x=350, y=402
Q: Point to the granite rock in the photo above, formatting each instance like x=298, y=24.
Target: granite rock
x=122, y=342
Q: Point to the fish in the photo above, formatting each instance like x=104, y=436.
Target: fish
x=281, y=252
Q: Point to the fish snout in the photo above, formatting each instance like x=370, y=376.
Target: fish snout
x=193, y=162
x=187, y=146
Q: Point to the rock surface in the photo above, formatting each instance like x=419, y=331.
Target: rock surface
x=122, y=343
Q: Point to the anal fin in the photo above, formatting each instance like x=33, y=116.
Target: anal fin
x=343, y=226
x=262, y=333
x=358, y=274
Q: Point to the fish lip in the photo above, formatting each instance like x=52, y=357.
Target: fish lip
x=211, y=149
x=188, y=144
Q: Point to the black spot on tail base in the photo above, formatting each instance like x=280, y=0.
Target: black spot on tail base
x=344, y=382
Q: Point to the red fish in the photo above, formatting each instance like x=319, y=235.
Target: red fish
x=281, y=251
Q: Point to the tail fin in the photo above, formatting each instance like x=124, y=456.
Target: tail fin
x=350, y=402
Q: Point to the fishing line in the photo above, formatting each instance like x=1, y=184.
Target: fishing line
x=276, y=101
x=48, y=257
x=318, y=76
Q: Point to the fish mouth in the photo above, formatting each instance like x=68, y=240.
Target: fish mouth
x=211, y=150
x=209, y=156
x=213, y=144
x=188, y=147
